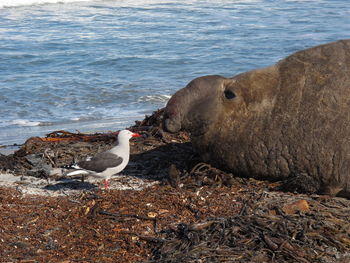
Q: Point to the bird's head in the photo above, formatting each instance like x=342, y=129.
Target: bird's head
x=127, y=135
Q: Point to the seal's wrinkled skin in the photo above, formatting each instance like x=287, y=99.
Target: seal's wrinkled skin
x=287, y=120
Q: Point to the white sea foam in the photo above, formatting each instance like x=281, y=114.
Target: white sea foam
x=155, y=98
x=85, y=118
x=21, y=122
x=13, y=3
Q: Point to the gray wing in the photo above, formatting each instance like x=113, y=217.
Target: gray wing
x=101, y=162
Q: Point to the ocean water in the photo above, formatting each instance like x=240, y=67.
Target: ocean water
x=97, y=66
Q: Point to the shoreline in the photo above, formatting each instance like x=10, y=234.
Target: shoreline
x=9, y=149
x=17, y=135
x=29, y=169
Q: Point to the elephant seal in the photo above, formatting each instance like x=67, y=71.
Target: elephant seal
x=280, y=122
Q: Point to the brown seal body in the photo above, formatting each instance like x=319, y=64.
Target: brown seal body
x=290, y=119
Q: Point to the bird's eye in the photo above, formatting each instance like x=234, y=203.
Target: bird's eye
x=229, y=94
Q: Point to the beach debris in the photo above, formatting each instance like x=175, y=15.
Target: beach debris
x=7, y=162
x=207, y=215
x=258, y=236
x=173, y=176
x=296, y=206
x=59, y=136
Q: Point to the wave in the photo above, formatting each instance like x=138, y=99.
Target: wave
x=29, y=123
x=14, y=3
x=26, y=123
x=122, y=118
x=154, y=98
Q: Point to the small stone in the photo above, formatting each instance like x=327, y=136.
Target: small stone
x=34, y=159
x=152, y=214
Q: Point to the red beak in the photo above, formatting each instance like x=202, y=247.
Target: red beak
x=136, y=135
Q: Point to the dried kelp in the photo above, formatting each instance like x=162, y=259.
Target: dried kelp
x=197, y=213
x=264, y=234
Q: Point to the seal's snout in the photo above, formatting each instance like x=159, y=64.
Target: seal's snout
x=171, y=125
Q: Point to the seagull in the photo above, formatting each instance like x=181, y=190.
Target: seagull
x=106, y=164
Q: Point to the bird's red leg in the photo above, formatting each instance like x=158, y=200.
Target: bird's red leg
x=106, y=184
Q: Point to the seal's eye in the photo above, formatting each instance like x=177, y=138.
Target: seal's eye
x=229, y=94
